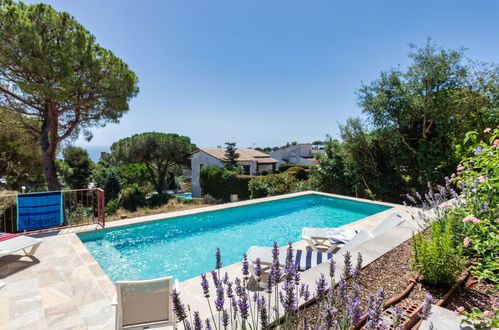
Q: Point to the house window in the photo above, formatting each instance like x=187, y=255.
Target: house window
x=201, y=166
x=246, y=169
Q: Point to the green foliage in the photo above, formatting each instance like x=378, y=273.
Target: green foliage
x=231, y=155
x=478, y=178
x=162, y=155
x=109, y=180
x=78, y=167
x=157, y=200
x=298, y=172
x=132, y=197
x=415, y=118
x=112, y=206
x=52, y=69
x=483, y=320
x=133, y=174
x=435, y=256
x=272, y=185
x=220, y=183
x=20, y=157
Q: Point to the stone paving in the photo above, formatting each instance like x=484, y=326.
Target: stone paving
x=63, y=287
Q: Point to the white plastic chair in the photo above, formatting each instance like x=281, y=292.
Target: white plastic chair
x=145, y=303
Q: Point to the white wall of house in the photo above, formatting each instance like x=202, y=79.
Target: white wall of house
x=295, y=155
x=198, y=160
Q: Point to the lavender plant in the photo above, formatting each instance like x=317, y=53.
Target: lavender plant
x=235, y=306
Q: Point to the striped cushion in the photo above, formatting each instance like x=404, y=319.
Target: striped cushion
x=307, y=259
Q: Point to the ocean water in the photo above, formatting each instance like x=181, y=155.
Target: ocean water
x=184, y=247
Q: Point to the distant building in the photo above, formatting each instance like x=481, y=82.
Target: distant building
x=298, y=154
x=252, y=161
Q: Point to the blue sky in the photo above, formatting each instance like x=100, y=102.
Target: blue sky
x=262, y=73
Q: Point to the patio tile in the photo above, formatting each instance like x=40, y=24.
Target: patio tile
x=55, y=294
x=64, y=316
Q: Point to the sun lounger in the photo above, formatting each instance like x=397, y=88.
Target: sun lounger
x=328, y=238
x=318, y=238
x=18, y=243
x=144, y=303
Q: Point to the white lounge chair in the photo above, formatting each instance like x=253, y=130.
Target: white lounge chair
x=19, y=243
x=144, y=303
x=303, y=259
x=317, y=238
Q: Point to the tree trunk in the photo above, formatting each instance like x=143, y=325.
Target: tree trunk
x=48, y=142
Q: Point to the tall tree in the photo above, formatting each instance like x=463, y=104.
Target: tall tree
x=20, y=159
x=161, y=153
x=231, y=155
x=53, y=70
x=427, y=109
x=77, y=167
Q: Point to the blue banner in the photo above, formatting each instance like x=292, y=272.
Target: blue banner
x=39, y=210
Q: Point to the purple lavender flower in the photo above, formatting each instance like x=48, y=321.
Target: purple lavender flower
x=215, y=277
x=262, y=308
x=218, y=263
x=228, y=290
x=225, y=318
x=219, y=302
x=239, y=288
x=321, y=288
x=245, y=266
x=353, y=305
x=347, y=270
x=358, y=266
x=304, y=291
x=328, y=317
x=397, y=321
x=297, y=276
x=198, y=324
x=178, y=307
x=425, y=311
x=258, y=270
x=225, y=280
x=205, y=285
x=208, y=324
x=332, y=268
x=375, y=310
x=410, y=198
x=243, y=306
x=288, y=298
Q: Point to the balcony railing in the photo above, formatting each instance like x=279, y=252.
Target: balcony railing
x=80, y=207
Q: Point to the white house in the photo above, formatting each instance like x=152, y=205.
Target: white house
x=252, y=161
x=299, y=154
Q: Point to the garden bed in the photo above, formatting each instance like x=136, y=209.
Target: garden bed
x=392, y=273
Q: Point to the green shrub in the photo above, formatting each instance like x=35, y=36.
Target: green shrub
x=285, y=167
x=112, y=206
x=220, y=183
x=298, y=172
x=109, y=180
x=132, y=197
x=435, y=256
x=157, y=200
x=272, y=185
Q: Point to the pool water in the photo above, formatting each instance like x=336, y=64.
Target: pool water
x=184, y=247
x=185, y=195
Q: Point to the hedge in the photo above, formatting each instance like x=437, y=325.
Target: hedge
x=272, y=185
x=220, y=183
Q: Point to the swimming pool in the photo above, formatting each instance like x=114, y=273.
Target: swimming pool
x=184, y=247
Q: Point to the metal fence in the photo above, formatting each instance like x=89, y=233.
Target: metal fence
x=80, y=207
